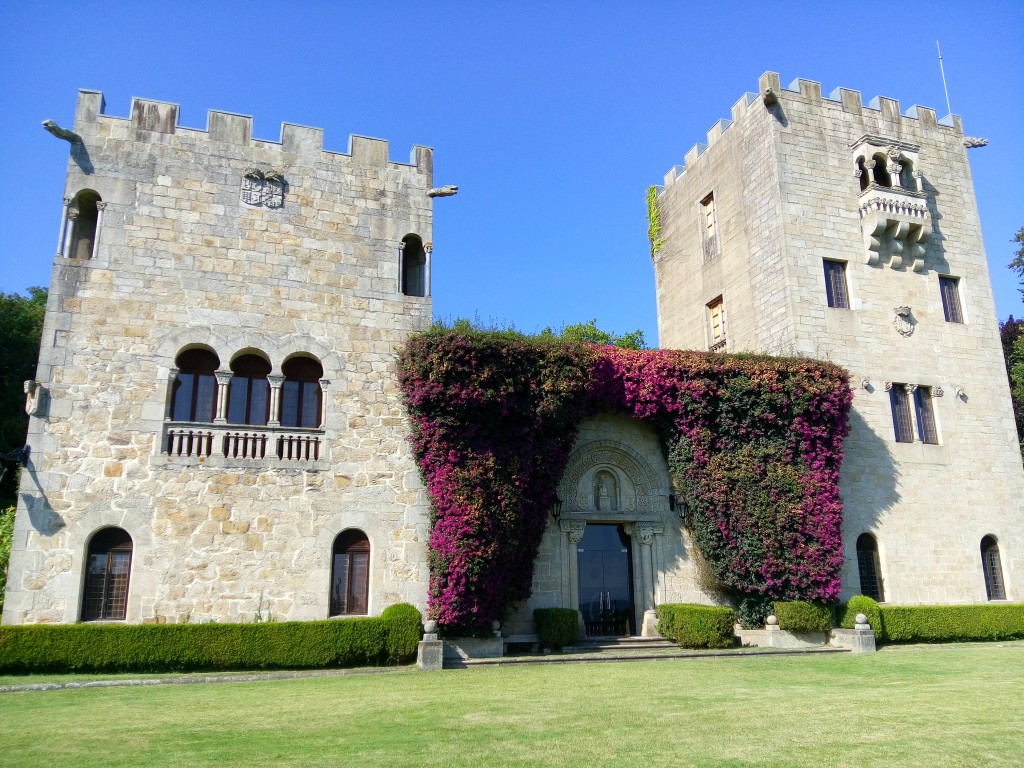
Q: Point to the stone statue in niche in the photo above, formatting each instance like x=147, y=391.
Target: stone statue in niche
x=606, y=492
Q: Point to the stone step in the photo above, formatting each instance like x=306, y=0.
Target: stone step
x=657, y=653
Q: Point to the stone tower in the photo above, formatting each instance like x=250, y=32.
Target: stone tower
x=216, y=431
x=848, y=231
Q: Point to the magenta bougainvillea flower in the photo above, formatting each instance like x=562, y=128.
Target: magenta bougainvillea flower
x=755, y=445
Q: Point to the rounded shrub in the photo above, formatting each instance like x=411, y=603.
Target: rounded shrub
x=696, y=626
x=404, y=625
x=865, y=605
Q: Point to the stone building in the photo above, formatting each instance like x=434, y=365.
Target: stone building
x=217, y=431
x=849, y=231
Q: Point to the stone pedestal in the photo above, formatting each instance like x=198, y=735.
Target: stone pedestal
x=650, y=625
x=857, y=640
x=430, y=654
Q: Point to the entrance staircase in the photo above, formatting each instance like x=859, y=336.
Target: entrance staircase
x=605, y=649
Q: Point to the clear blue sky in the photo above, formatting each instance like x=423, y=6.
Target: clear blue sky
x=552, y=117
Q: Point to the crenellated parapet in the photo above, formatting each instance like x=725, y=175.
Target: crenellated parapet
x=154, y=121
x=773, y=98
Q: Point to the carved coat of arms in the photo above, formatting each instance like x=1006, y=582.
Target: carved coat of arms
x=903, y=321
x=263, y=188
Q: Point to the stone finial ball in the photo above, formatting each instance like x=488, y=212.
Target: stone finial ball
x=495, y=625
x=430, y=626
x=861, y=618
x=772, y=620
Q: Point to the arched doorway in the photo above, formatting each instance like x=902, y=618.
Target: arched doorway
x=605, y=562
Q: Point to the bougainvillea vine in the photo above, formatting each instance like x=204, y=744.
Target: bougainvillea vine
x=754, y=444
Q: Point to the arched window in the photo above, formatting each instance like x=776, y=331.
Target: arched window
x=414, y=267
x=85, y=215
x=870, y=568
x=194, y=394
x=249, y=391
x=993, y=569
x=863, y=177
x=301, y=396
x=880, y=172
x=350, y=574
x=907, y=180
x=108, y=566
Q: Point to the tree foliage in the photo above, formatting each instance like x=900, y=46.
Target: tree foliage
x=1011, y=333
x=589, y=333
x=1017, y=265
x=21, y=327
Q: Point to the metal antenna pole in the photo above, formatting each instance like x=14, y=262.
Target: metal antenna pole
x=949, y=109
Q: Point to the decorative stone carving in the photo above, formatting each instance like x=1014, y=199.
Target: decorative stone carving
x=903, y=321
x=973, y=142
x=61, y=133
x=645, y=532
x=446, y=191
x=937, y=392
x=574, y=528
x=619, y=461
x=769, y=97
x=33, y=397
x=606, y=492
x=263, y=188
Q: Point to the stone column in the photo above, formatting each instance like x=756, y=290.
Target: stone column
x=69, y=234
x=573, y=529
x=401, y=266
x=100, y=208
x=324, y=384
x=62, y=238
x=275, y=380
x=645, y=536
x=172, y=376
x=223, y=379
x=428, y=249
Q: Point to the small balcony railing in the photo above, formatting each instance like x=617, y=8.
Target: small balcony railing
x=718, y=346
x=233, y=441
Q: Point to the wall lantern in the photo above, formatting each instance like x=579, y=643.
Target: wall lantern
x=556, y=507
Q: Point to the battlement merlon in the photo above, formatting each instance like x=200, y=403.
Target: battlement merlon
x=771, y=92
x=161, y=117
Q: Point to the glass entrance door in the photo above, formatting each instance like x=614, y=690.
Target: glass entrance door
x=606, y=581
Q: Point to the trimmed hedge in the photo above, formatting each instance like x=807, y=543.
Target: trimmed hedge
x=951, y=623
x=802, y=617
x=936, y=623
x=847, y=614
x=188, y=647
x=557, y=627
x=696, y=626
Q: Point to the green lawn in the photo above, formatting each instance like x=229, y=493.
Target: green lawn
x=920, y=706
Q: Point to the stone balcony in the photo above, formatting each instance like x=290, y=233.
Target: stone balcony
x=896, y=223
x=238, y=445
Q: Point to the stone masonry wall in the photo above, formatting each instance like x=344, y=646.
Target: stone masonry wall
x=928, y=506
x=181, y=261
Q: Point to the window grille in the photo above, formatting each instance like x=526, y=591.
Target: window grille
x=869, y=567
x=925, y=416
x=108, y=569
x=994, y=588
x=901, y=419
x=950, y=289
x=835, y=284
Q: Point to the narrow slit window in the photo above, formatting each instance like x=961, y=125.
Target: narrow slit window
x=709, y=220
x=925, y=416
x=950, y=289
x=869, y=567
x=994, y=588
x=835, y=284
x=899, y=400
x=716, y=321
